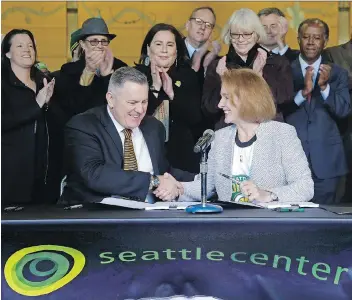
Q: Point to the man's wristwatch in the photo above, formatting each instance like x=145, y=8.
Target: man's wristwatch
x=154, y=182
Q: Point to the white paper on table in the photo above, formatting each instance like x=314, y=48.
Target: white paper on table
x=161, y=205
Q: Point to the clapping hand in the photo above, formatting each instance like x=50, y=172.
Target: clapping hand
x=324, y=71
x=167, y=84
x=106, y=64
x=155, y=71
x=93, y=60
x=260, y=61
x=169, y=188
x=282, y=31
x=221, y=67
x=46, y=92
x=212, y=54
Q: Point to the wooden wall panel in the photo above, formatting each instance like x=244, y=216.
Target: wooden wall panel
x=131, y=20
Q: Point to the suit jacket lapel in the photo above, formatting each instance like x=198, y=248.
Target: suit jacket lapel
x=150, y=141
x=111, y=129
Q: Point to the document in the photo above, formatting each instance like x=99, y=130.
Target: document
x=161, y=205
x=274, y=204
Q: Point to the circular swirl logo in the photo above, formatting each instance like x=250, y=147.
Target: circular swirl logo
x=40, y=270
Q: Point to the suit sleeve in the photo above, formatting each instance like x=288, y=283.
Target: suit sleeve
x=211, y=92
x=300, y=185
x=86, y=159
x=165, y=166
x=281, y=83
x=338, y=102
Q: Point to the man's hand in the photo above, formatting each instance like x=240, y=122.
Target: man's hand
x=212, y=54
x=169, y=188
x=198, y=55
x=282, y=31
x=308, y=82
x=324, y=71
x=250, y=190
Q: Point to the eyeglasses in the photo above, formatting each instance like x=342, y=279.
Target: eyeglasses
x=96, y=42
x=245, y=36
x=201, y=22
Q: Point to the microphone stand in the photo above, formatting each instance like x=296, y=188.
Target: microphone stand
x=204, y=207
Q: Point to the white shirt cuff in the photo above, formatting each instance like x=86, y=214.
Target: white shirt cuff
x=299, y=99
x=326, y=92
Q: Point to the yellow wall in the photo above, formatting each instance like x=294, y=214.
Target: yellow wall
x=131, y=20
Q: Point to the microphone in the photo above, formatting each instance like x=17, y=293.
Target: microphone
x=205, y=141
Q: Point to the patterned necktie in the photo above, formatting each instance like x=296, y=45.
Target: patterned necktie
x=309, y=96
x=129, y=157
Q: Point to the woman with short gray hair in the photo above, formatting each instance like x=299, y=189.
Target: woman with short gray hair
x=243, y=32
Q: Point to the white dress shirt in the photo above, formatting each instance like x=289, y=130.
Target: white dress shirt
x=190, y=48
x=299, y=99
x=282, y=51
x=139, y=145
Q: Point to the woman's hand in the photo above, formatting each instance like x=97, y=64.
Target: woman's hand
x=167, y=84
x=106, y=64
x=260, y=61
x=93, y=60
x=157, y=82
x=221, y=67
x=250, y=190
x=46, y=92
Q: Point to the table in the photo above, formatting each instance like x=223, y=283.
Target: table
x=100, y=252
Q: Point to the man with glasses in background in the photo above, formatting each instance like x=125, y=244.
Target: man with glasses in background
x=199, y=28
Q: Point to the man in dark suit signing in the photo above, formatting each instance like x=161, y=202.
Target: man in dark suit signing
x=321, y=98
x=116, y=149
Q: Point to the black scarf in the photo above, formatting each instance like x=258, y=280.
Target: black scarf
x=234, y=61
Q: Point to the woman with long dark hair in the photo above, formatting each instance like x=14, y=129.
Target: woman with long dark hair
x=26, y=113
x=174, y=96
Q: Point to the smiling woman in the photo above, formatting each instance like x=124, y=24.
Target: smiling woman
x=27, y=116
x=175, y=95
x=244, y=33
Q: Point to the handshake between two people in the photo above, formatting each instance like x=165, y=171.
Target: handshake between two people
x=169, y=188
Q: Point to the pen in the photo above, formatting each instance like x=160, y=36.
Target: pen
x=289, y=209
x=229, y=177
x=74, y=206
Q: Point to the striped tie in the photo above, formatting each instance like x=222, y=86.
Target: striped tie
x=129, y=161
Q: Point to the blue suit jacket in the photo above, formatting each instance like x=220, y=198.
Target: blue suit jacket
x=315, y=122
